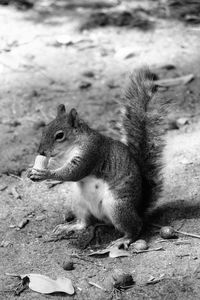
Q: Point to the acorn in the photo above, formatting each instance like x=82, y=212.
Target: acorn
x=140, y=245
x=41, y=163
x=122, y=280
x=68, y=265
x=167, y=232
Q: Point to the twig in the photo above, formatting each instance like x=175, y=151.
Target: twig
x=85, y=259
x=97, y=285
x=15, y=176
x=163, y=241
x=188, y=234
x=174, y=81
x=13, y=275
x=182, y=255
x=149, y=250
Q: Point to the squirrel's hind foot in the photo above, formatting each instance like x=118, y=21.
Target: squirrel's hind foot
x=122, y=243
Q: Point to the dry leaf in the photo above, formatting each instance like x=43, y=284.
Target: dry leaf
x=100, y=252
x=45, y=285
x=115, y=252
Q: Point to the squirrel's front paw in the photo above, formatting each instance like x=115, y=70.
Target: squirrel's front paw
x=38, y=175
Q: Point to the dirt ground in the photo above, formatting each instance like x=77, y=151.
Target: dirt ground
x=46, y=60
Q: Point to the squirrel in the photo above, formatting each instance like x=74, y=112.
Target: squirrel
x=118, y=180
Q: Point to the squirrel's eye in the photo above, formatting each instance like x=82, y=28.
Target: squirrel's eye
x=59, y=136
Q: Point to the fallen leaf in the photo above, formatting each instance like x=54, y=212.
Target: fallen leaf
x=45, y=285
x=100, y=252
x=85, y=85
x=115, y=252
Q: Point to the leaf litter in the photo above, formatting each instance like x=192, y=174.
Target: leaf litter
x=44, y=284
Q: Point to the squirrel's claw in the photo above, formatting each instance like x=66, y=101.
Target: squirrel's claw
x=63, y=229
x=39, y=175
x=122, y=243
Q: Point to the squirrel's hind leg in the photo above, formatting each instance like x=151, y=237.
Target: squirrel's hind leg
x=127, y=221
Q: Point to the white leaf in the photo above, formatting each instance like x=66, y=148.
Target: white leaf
x=45, y=285
x=100, y=252
x=115, y=252
x=66, y=285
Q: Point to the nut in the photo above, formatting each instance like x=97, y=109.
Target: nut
x=141, y=245
x=41, y=162
x=122, y=280
x=68, y=265
x=167, y=232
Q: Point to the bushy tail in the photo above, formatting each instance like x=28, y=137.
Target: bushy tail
x=142, y=133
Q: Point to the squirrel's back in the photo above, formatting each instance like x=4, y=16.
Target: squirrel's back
x=141, y=130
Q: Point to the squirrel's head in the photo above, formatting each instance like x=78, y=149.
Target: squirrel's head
x=61, y=133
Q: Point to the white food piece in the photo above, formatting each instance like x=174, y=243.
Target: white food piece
x=41, y=162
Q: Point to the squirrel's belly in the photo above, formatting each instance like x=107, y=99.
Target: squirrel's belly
x=96, y=195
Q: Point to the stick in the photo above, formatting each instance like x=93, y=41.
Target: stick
x=174, y=81
x=188, y=234
x=149, y=250
x=98, y=286
x=15, y=176
x=85, y=259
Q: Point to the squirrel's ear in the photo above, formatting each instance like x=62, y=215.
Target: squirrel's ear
x=61, y=110
x=73, y=118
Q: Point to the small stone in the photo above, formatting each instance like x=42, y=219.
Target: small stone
x=129, y=55
x=85, y=85
x=15, y=123
x=89, y=74
x=68, y=265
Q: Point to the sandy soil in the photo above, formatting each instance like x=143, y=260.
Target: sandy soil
x=88, y=72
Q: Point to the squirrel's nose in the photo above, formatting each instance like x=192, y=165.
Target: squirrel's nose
x=42, y=153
